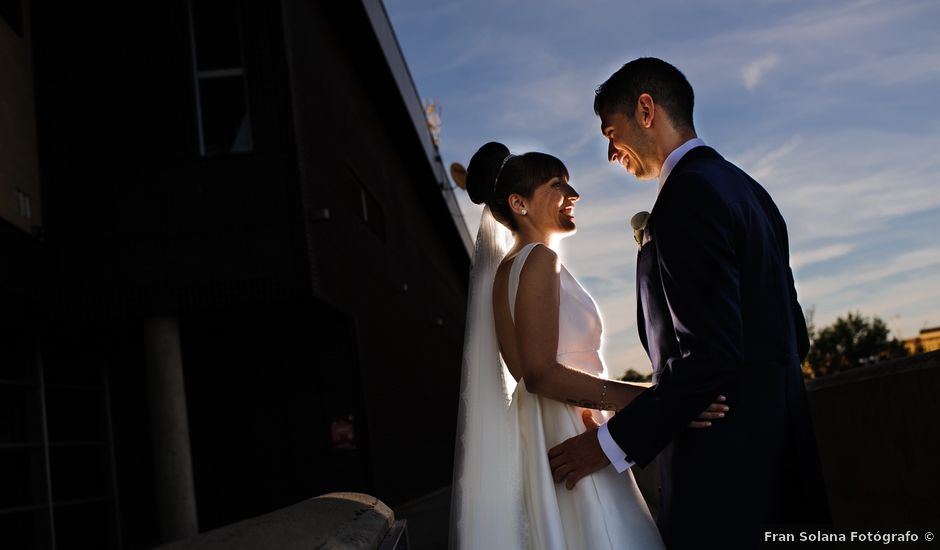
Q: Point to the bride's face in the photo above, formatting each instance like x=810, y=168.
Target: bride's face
x=551, y=207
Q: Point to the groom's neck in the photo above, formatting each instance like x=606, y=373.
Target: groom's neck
x=669, y=139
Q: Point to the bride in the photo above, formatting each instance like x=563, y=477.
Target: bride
x=533, y=375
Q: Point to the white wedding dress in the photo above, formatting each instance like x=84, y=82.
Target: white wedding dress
x=503, y=493
x=606, y=509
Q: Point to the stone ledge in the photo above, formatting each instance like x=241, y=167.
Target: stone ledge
x=342, y=521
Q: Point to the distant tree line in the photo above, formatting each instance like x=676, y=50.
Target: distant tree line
x=849, y=342
x=633, y=375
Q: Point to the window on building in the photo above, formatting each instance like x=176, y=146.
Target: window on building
x=24, y=204
x=223, y=116
x=56, y=461
x=11, y=11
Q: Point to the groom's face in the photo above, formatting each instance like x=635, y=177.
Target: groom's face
x=628, y=145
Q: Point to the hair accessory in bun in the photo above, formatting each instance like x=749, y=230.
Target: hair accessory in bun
x=500, y=171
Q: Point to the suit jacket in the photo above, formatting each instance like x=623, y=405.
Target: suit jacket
x=718, y=315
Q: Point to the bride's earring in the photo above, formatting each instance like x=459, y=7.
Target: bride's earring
x=523, y=211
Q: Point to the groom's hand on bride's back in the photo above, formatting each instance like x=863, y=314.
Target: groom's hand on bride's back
x=582, y=455
x=579, y=456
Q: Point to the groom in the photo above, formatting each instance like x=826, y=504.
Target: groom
x=717, y=315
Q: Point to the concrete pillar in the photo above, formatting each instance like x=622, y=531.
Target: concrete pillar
x=176, y=495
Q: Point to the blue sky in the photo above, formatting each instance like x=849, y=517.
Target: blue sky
x=832, y=106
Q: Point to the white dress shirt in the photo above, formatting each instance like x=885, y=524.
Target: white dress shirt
x=617, y=457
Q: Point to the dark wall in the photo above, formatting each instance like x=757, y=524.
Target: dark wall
x=406, y=284
x=77, y=403
x=290, y=318
x=20, y=284
x=135, y=215
x=876, y=428
x=263, y=386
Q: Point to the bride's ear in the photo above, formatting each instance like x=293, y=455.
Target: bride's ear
x=516, y=203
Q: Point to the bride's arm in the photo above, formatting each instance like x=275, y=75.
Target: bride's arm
x=579, y=388
x=536, y=325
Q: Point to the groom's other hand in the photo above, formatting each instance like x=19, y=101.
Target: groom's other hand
x=715, y=411
x=579, y=456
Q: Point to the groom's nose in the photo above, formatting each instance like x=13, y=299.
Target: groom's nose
x=611, y=152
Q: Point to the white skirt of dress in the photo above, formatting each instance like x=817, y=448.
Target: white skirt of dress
x=604, y=510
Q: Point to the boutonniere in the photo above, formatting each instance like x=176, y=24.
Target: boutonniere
x=638, y=223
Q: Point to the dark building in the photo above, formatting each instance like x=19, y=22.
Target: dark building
x=246, y=283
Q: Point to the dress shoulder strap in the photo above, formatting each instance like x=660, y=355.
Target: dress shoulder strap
x=514, y=273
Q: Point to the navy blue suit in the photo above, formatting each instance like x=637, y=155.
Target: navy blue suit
x=718, y=315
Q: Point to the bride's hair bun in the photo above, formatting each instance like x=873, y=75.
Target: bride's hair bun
x=483, y=169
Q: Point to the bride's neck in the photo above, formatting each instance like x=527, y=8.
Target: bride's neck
x=550, y=240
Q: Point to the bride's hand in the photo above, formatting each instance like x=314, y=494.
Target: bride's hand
x=714, y=411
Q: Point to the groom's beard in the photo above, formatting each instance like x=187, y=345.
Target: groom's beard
x=644, y=147
x=646, y=169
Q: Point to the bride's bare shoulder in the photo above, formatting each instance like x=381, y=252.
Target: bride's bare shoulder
x=542, y=262
x=539, y=254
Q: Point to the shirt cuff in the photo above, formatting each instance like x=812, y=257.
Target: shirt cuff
x=617, y=457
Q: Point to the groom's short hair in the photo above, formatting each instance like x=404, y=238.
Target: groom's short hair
x=665, y=83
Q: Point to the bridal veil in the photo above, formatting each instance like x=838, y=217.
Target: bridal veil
x=487, y=506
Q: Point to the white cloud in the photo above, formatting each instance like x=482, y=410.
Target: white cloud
x=763, y=163
x=902, y=67
x=830, y=286
x=753, y=73
x=841, y=184
x=805, y=258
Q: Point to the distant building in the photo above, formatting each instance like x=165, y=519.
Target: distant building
x=926, y=341
x=232, y=272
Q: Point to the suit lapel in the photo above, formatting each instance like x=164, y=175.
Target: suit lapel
x=658, y=338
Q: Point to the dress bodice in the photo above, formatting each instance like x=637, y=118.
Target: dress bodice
x=579, y=324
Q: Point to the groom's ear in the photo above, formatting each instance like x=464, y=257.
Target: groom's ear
x=645, y=110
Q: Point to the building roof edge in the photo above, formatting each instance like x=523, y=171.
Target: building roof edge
x=385, y=35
